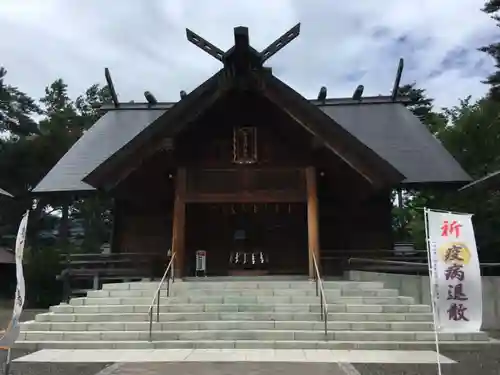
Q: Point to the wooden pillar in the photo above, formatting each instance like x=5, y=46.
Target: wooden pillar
x=312, y=219
x=64, y=245
x=114, y=245
x=179, y=222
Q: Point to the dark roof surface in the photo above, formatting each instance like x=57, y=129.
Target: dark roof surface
x=103, y=139
x=490, y=181
x=3, y=192
x=397, y=135
x=389, y=129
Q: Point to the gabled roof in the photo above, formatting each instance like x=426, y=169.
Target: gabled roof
x=382, y=141
x=389, y=129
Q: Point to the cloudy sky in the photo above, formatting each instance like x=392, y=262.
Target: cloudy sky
x=343, y=43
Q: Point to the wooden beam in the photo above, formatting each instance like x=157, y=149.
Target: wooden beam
x=279, y=43
x=179, y=223
x=255, y=197
x=312, y=218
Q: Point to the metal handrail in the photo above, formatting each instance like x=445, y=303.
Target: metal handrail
x=384, y=261
x=156, y=298
x=404, y=263
x=320, y=291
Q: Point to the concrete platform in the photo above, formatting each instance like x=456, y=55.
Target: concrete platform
x=235, y=355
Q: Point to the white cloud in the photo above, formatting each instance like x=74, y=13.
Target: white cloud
x=342, y=44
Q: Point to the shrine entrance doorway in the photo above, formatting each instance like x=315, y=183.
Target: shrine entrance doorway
x=248, y=238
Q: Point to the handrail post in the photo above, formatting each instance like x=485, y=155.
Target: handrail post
x=322, y=297
x=150, y=325
x=157, y=296
x=158, y=306
x=168, y=287
x=321, y=305
x=173, y=269
x=326, y=322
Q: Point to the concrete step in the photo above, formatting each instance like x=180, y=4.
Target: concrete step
x=283, y=344
x=193, y=308
x=218, y=285
x=251, y=335
x=245, y=293
x=254, y=313
x=87, y=301
x=228, y=325
x=239, y=316
x=261, y=278
x=199, y=299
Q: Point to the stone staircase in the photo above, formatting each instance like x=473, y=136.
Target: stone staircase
x=239, y=314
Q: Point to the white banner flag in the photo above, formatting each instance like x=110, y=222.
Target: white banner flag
x=455, y=273
x=12, y=333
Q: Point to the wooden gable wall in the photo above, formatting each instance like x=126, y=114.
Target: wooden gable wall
x=352, y=214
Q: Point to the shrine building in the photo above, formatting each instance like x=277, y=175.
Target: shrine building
x=247, y=169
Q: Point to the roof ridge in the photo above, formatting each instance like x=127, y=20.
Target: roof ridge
x=327, y=102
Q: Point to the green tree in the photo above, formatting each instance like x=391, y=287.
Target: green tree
x=473, y=138
x=492, y=7
x=24, y=161
x=422, y=106
x=16, y=109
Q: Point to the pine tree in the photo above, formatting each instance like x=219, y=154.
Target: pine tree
x=492, y=7
x=16, y=110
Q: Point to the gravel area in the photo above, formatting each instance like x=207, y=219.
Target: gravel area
x=49, y=368
x=204, y=368
x=482, y=362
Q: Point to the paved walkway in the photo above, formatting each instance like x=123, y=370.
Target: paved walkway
x=234, y=355
x=484, y=361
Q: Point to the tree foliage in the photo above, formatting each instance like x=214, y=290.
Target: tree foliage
x=25, y=160
x=472, y=136
x=16, y=109
x=492, y=7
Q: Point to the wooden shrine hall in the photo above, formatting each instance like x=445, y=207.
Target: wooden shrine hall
x=247, y=169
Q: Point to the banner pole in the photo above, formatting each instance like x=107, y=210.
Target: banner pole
x=435, y=317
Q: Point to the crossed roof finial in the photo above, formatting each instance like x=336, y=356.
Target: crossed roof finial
x=242, y=51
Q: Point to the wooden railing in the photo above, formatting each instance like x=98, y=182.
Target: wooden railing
x=95, y=268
